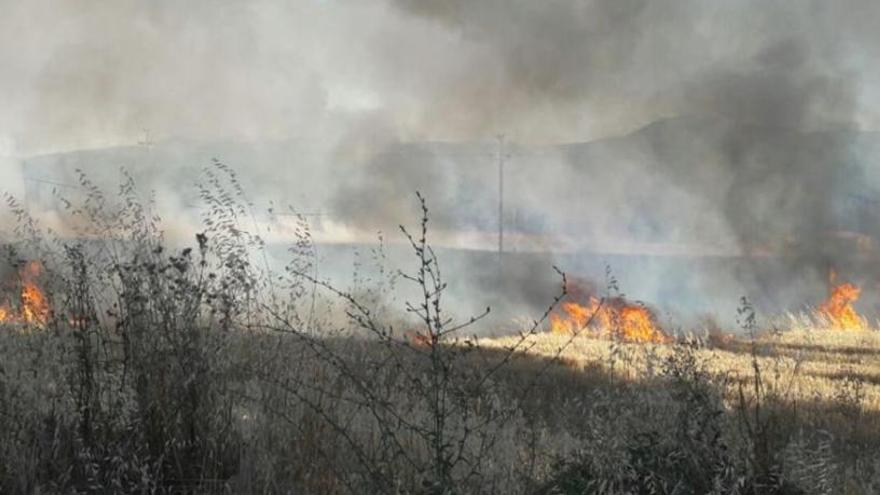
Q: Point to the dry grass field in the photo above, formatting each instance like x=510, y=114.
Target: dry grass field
x=811, y=365
x=127, y=366
x=812, y=391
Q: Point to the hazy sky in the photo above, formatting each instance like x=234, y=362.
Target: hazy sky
x=91, y=73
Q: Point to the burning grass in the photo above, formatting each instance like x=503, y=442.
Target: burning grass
x=614, y=318
x=838, y=308
x=609, y=317
x=32, y=304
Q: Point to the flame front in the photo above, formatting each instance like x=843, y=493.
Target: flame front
x=34, y=305
x=838, y=308
x=615, y=317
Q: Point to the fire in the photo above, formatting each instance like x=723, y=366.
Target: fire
x=34, y=305
x=417, y=338
x=614, y=317
x=838, y=308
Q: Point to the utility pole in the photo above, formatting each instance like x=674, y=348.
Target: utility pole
x=147, y=144
x=146, y=141
x=501, y=157
x=24, y=183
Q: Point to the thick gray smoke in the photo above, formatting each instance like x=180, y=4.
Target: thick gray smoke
x=716, y=129
x=768, y=156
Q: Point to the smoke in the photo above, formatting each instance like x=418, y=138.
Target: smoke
x=767, y=158
x=88, y=74
x=721, y=127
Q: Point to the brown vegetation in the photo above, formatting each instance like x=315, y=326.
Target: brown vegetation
x=200, y=370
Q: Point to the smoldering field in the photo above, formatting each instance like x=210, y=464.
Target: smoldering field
x=135, y=363
x=205, y=286
x=689, y=213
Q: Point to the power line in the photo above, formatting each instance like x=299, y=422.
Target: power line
x=51, y=182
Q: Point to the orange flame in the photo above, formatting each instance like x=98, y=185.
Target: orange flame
x=615, y=317
x=417, y=338
x=838, y=308
x=34, y=307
